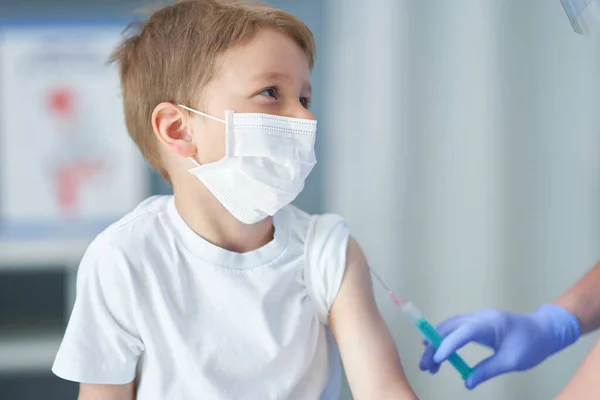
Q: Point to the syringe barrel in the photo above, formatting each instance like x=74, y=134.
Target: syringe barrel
x=412, y=313
x=417, y=318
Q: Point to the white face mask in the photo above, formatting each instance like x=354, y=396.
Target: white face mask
x=267, y=159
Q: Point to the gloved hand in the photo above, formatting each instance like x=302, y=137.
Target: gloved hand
x=519, y=341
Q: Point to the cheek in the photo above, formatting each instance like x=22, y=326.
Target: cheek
x=210, y=145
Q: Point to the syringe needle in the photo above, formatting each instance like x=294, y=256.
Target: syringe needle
x=380, y=280
x=392, y=295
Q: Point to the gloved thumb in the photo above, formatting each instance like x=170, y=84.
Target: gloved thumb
x=486, y=369
x=469, y=332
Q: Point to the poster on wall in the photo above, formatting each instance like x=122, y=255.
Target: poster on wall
x=67, y=165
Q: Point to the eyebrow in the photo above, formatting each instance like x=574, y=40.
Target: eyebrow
x=281, y=77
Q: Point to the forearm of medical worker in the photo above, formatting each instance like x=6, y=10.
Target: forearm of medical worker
x=583, y=300
x=367, y=349
x=585, y=383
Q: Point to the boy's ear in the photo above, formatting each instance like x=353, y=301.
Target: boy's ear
x=170, y=125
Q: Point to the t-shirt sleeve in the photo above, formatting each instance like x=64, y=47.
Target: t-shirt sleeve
x=101, y=344
x=325, y=253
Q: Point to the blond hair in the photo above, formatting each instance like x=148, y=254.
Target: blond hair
x=171, y=57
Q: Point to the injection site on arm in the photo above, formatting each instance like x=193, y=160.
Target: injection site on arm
x=367, y=349
x=416, y=317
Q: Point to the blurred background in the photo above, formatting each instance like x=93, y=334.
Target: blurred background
x=460, y=140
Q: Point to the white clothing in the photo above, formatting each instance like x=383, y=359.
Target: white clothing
x=194, y=321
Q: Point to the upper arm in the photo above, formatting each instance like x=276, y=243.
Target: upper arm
x=106, y=392
x=366, y=346
x=585, y=383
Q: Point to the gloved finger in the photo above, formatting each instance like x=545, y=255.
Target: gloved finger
x=486, y=369
x=445, y=327
x=427, y=363
x=469, y=332
x=435, y=369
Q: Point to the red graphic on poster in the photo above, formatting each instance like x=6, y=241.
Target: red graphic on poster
x=76, y=163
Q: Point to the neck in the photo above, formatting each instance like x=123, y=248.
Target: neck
x=202, y=212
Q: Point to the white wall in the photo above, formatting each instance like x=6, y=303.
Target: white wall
x=462, y=142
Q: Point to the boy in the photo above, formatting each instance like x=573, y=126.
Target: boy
x=224, y=291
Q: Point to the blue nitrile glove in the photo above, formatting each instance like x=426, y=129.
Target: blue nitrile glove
x=519, y=341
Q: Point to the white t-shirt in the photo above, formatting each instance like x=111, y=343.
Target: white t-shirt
x=191, y=320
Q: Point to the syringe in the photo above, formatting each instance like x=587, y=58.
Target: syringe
x=414, y=315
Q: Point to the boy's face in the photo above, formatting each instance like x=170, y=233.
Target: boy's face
x=270, y=74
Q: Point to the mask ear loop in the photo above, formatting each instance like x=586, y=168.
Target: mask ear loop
x=192, y=159
x=201, y=113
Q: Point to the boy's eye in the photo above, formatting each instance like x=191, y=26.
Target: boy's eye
x=270, y=92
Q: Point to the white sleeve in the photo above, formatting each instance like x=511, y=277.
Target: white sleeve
x=101, y=344
x=325, y=253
